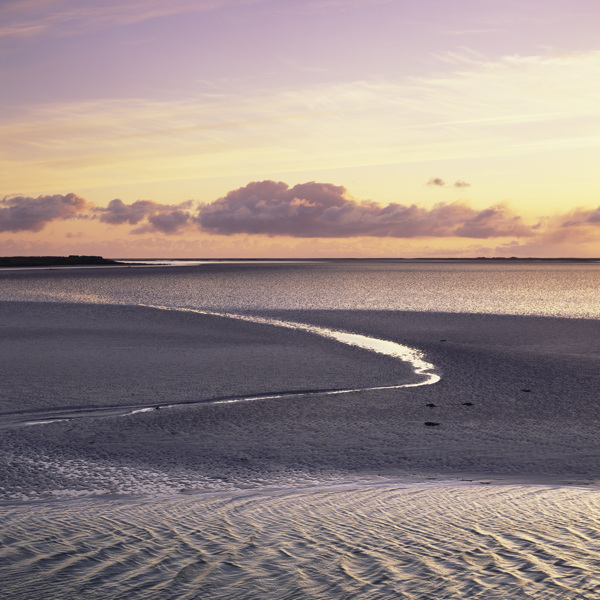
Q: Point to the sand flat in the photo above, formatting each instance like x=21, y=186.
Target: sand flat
x=76, y=356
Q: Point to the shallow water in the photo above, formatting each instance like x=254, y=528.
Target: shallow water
x=362, y=541
x=555, y=290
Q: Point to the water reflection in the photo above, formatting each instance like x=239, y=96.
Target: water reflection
x=566, y=290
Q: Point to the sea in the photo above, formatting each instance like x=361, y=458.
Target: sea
x=367, y=539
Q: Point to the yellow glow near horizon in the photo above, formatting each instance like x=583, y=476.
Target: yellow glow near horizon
x=185, y=116
x=533, y=111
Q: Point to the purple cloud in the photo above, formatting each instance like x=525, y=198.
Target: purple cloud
x=439, y=182
x=436, y=181
x=163, y=218
x=580, y=217
x=168, y=223
x=308, y=210
x=21, y=213
x=325, y=210
x=117, y=212
x=593, y=216
x=494, y=222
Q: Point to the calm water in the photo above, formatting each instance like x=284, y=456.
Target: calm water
x=414, y=541
x=559, y=290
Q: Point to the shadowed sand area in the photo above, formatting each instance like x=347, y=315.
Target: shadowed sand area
x=518, y=400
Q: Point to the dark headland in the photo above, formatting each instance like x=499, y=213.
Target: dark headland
x=50, y=261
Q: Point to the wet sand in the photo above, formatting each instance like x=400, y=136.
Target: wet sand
x=518, y=400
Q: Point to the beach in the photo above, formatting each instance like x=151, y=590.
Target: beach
x=300, y=430
x=517, y=400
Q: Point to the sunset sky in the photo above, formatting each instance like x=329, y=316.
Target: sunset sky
x=300, y=128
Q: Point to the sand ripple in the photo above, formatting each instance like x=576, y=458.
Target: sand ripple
x=368, y=541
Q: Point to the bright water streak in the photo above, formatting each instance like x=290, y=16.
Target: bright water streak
x=367, y=542
x=405, y=353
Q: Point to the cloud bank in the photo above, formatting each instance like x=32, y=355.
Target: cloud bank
x=326, y=210
x=21, y=213
x=304, y=211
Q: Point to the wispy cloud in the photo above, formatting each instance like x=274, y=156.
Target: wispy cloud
x=30, y=17
x=581, y=218
x=514, y=89
x=477, y=109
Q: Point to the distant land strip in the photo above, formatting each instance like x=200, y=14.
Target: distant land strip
x=77, y=259
x=48, y=261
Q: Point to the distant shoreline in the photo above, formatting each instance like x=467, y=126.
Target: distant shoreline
x=83, y=260
x=382, y=259
x=55, y=261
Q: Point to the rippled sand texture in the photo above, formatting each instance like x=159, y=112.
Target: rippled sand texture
x=369, y=542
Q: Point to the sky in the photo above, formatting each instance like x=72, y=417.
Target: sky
x=300, y=128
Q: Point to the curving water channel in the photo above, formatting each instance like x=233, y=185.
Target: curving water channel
x=414, y=357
